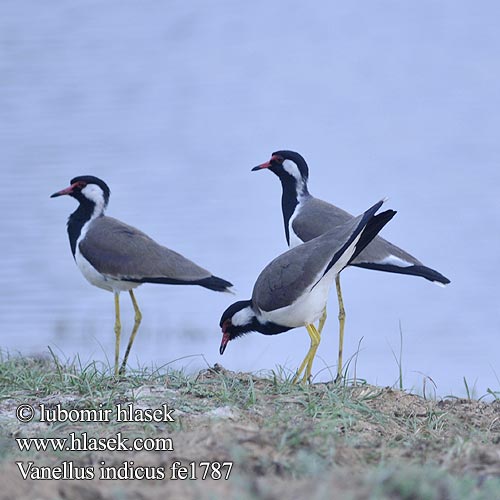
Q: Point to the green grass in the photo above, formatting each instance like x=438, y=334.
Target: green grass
x=371, y=442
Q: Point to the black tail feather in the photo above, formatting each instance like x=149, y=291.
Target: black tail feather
x=369, y=226
x=212, y=282
x=215, y=283
x=373, y=227
x=422, y=271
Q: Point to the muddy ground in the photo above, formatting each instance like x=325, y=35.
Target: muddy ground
x=318, y=441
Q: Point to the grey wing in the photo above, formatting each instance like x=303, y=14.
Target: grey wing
x=296, y=271
x=318, y=217
x=381, y=251
x=285, y=278
x=123, y=252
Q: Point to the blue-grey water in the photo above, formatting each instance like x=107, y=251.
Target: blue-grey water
x=172, y=103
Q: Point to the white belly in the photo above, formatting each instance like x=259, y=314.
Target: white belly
x=97, y=279
x=306, y=309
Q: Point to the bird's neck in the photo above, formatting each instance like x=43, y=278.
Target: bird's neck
x=259, y=324
x=270, y=328
x=249, y=320
x=294, y=191
x=85, y=213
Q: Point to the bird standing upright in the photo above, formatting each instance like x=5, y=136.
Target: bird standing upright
x=118, y=257
x=293, y=289
x=306, y=217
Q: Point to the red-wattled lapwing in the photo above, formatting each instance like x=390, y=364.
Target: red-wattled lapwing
x=118, y=257
x=293, y=289
x=306, y=217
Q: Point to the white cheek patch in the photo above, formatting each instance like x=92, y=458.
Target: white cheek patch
x=95, y=193
x=291, y=168
x=243, y=317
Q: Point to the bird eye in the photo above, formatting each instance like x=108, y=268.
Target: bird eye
x=278, y=159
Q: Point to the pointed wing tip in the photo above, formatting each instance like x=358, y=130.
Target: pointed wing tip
x=441, y=284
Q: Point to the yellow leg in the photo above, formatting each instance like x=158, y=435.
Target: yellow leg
x=308, y=360
x=138, y=318
x=118, y=329
x=341, y=328
x=322, y=321
x=307, y=373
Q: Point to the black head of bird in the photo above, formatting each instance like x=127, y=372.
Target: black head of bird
x=240, y=318
x=87, y=187
x=289, y=166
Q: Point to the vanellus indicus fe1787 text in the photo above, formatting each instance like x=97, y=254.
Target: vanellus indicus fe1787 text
x=306, y=217
x=293, y=289
x=117, y=257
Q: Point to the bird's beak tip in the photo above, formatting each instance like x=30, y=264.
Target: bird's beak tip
x=224, y=342
x=67, y=190
x=260, y=167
